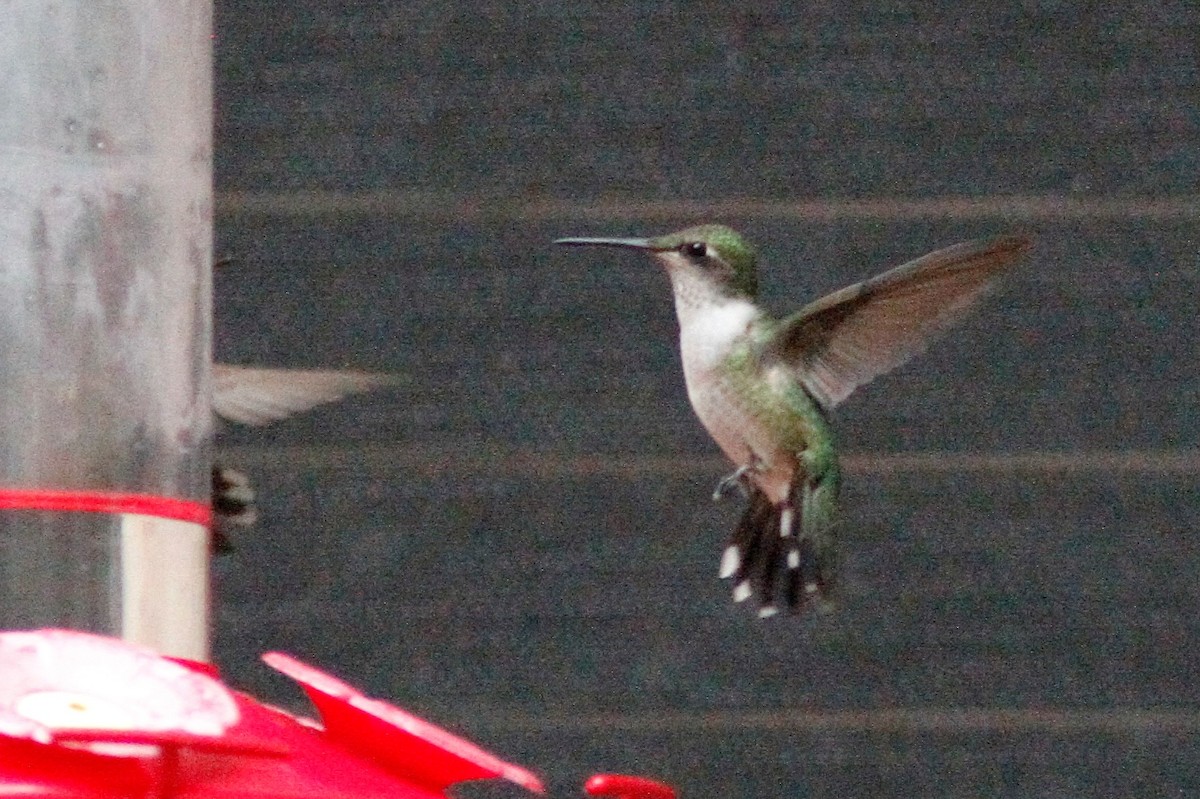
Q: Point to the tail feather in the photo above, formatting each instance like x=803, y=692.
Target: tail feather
x=797, y=571
x=232, y=504
x=747, y=541
x=768, y=568
x=793, y=558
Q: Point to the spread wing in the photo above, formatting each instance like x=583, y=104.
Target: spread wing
x=254, y=396
x=849, y=337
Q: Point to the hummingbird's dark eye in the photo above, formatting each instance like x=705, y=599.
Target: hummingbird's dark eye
x=695, y=249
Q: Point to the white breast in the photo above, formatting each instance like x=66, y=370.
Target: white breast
x=707, y=332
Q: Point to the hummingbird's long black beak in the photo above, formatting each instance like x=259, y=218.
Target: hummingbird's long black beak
x=633, y=244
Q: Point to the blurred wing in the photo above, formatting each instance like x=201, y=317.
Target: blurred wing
x=256, y=396
x=848, y=338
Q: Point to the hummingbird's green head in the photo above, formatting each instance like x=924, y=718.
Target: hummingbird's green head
x=716, y=253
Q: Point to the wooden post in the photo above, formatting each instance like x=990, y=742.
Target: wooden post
x=105, y=317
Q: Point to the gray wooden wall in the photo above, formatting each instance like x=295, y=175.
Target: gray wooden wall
x=519, y=543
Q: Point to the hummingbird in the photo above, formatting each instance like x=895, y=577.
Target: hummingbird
x=764, y=388
x=256, y=396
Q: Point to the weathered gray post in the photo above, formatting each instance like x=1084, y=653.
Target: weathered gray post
x=105, y=317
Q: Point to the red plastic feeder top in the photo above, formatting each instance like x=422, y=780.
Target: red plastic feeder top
x=83, y=716
x=623, y=786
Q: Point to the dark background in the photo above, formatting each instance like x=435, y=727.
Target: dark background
x=519, y=543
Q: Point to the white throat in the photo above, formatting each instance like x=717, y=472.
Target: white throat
x=709, y=321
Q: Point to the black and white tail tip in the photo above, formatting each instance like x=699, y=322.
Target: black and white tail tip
x=232, y=504
x=768, y=557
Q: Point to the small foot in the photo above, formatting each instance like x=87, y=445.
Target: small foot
x=737, y=480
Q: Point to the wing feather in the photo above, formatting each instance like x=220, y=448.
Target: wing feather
x=255, y=396
x=851, y=336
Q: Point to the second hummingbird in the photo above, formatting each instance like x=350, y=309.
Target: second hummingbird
x=764, y=387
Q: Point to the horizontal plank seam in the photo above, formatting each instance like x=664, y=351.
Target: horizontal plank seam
x=463, y=207
x=498, y=461
x=889, y=721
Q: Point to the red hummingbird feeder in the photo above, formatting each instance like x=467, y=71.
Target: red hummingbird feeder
x=83, y=715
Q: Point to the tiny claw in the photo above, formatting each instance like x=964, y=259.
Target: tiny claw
x=730, y=482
